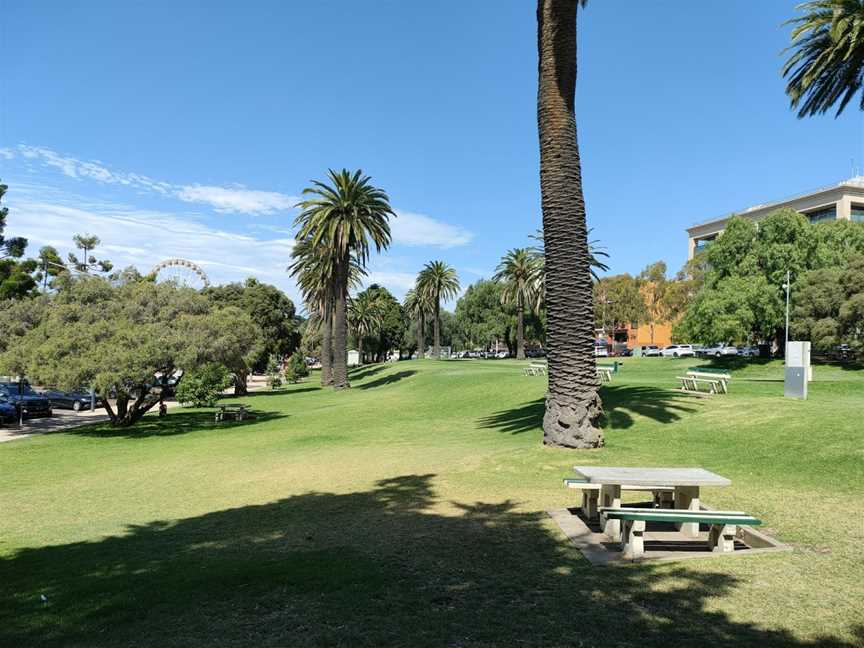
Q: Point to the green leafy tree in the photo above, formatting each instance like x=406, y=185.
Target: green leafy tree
x=393, y=325
x=203, y=386
x=341, y=219
x=13, y=247
x=296, y=369
x=274, y=373
x=119, y=338
x=268, y=307
x=826, y=64
x=418, y=306
x=618, y=301
x=481, y=315
x=517, y=273
x=829, y=306
x=16, y=280
x=573, y=407
x=435, y=282
x=51, y=267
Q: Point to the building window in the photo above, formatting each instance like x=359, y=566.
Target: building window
x=824, y=214
x=701, y=244
x=858, y=213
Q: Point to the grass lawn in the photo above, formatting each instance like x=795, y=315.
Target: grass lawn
x=410, y=511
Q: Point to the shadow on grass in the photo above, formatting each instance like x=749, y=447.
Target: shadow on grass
x=620, y=404
x=173, y=424
x=389, y=379
x=364, y=372
x=377, y=567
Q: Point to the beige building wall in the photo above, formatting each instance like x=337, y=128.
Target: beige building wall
x=842, y=196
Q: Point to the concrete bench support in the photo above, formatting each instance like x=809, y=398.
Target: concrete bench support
x=687, y=497
x=721, y=538
x=610, y=496
x=634, y=538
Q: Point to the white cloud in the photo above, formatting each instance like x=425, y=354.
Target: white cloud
x=237, y=199
x=143, y=238
x=409, y=228
x=233, y=199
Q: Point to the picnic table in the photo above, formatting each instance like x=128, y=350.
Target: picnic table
x=534, y=369
x=236, y=412
x=684, y=482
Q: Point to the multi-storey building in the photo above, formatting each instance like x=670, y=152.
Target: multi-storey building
x=844, y=200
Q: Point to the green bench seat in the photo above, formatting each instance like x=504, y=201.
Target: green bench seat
x=721, y=537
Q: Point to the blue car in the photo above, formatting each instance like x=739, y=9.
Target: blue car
x=8, y=413
x=31, y=403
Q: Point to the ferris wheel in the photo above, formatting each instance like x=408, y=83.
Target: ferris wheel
x=181, y=272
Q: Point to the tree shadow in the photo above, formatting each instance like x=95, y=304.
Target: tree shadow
x=364, y=372
x=620, y=403
x=377, y=567
x=389, y=379
x=173, y=424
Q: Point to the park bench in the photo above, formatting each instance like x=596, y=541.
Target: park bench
x=534, y=370
x=605, y=374
x=716, y=381
x=615, y=366
x=661, y=495
x=721, y=537
x=233, y=412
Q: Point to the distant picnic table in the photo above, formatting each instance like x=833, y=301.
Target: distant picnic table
x=238, y=412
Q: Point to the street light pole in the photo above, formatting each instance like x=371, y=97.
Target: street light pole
x=786, y=286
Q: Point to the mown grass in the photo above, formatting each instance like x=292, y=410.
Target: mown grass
x=410, y=511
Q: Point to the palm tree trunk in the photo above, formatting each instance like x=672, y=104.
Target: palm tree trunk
x=340, y=327
x=327, y=346
x=520, y=328
x=360, y=348
x=573, y=405
x=436, y=325
x=421, y=336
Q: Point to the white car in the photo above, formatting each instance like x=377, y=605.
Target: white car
x=648, y=350
x=600, y=351
x=679, y=351
x=718, y=350
x=749, y=351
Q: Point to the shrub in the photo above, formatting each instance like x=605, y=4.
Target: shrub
x=297, y=369
x=274, y=376
x=203, y=386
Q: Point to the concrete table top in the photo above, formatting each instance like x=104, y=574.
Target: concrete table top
x=650, y=476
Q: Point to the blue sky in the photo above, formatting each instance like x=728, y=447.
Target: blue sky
x=188, y=129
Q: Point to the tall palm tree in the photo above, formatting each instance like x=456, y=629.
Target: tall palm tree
x=435, y=282
x=417, y=306
x=826, y=66
x=517, y=273
x=341, y=218
x=573, y=406
x=364, y=318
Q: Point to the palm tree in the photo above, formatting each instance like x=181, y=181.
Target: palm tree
x=364, y=318
x=341, y=218
x=826, y=66
x=435, y=282
x=518, y=272
x=573, y=405
x=417, y=307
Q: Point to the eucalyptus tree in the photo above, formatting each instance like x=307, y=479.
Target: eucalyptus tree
x=364, y=318
x=517, y=273
x=573, y=406
x=435, y=282
x=826, y=64
x=342, y=218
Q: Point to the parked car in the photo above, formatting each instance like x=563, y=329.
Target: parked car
x=29, y=401
x=75, y=400
x=623, y=352
x=649, y=350
x=842, y=352
x=678, y=351
x=8, y=412
x=601, y=351
x=500, y=355
x=535, y=353
x=748, y=351
x=718, y=350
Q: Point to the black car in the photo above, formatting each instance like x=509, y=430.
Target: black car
x=75, y=400
x=28, y=400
